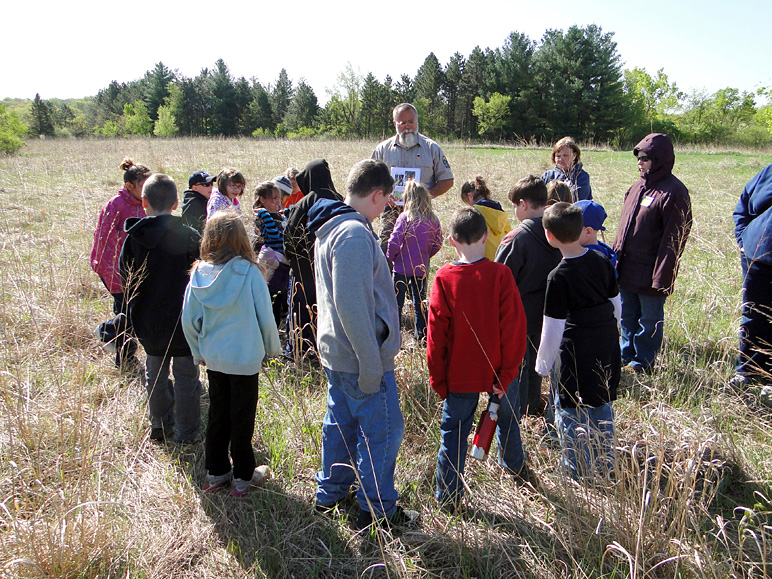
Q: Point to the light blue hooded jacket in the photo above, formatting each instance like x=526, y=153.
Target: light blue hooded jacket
x=227, y=317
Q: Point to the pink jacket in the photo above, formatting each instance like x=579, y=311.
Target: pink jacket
x=109, y=237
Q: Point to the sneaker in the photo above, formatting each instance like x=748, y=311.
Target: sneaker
x=240, y=487
x=158, y=434
x=212, y=482
x=400, y=518
x=109, y=346
x=739, y=381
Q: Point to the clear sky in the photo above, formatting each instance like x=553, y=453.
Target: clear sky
x=74, y=49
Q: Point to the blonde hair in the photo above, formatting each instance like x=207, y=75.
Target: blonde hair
x=418, y=202
x=225, y=237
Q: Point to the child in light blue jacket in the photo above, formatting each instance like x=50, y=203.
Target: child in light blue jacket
x=229, y=325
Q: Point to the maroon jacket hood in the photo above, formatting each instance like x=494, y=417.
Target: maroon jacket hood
x=659, y=148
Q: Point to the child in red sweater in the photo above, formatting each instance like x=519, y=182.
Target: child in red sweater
x=476, y=342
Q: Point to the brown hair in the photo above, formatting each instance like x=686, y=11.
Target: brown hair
x=530, y=188
x=559, y=191
x=476, y=186
x=467, y=225
x=160, y=192
x=564, y=221
x=225, y=237
x=264, y=191
x=368, y=176
x=566, y=142
x=232, y=175
x=133, y=173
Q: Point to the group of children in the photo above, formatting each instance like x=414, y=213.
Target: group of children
x=206, y=299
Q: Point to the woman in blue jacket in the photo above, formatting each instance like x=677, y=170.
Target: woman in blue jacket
x=568, y=168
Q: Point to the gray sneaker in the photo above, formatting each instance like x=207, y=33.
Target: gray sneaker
x=240, y=487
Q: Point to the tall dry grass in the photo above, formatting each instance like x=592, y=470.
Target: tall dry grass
x=83, y=493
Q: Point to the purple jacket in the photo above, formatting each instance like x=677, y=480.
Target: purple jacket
x=110, y=235
x=412, y=243
x=655, y=223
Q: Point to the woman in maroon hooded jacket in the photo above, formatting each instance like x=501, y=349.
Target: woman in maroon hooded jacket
x=654, y=225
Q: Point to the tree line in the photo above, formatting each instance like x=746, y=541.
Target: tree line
x=567, y=83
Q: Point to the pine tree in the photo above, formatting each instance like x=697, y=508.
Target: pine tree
x=157, y=83
x=40, y=117
x=281, y=97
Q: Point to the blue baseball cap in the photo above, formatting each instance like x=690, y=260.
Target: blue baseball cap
x=593, y=213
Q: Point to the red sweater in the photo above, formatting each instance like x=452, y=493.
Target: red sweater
x=477, y=328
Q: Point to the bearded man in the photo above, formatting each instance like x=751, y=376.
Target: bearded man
x=410, y=155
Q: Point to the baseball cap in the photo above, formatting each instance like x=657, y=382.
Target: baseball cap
x=200, y=178
x=593, y=213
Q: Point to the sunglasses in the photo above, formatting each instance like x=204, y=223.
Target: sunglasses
x=644, y=158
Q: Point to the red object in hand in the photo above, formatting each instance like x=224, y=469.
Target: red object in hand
x=486, y=428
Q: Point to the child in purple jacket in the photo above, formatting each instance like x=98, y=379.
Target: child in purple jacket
x=416, y=237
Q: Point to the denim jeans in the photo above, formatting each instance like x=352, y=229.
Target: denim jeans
x=642, y=328
x=511, y=454
x=361, y=436
x=457, y=421
x=755, y=361
x=232, y=407
x=418, y=291
x=586, y=437
x=174, y=406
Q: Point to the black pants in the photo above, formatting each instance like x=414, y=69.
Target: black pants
x=232, y=406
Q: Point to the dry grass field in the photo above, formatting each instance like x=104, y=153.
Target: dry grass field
x=85, y=494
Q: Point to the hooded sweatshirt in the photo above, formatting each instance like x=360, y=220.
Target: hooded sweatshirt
x=655, y=223
x=315, y=181
x=194, y=210
x=358, y=322
x=526, y=252
x=498, y=224
x=155, y=261
x=227, y=317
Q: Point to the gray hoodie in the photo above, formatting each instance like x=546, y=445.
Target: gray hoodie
x=358, y=328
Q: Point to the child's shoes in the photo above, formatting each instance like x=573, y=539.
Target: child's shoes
x=240, y=487
x=215, y=482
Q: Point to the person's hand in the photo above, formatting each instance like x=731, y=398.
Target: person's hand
x=498, y=390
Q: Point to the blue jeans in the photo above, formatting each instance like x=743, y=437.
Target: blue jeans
x=174, y=406
x=361, y=436
x=586, y=437
x=418, y=291
x=642, y=328
x=457, y=420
